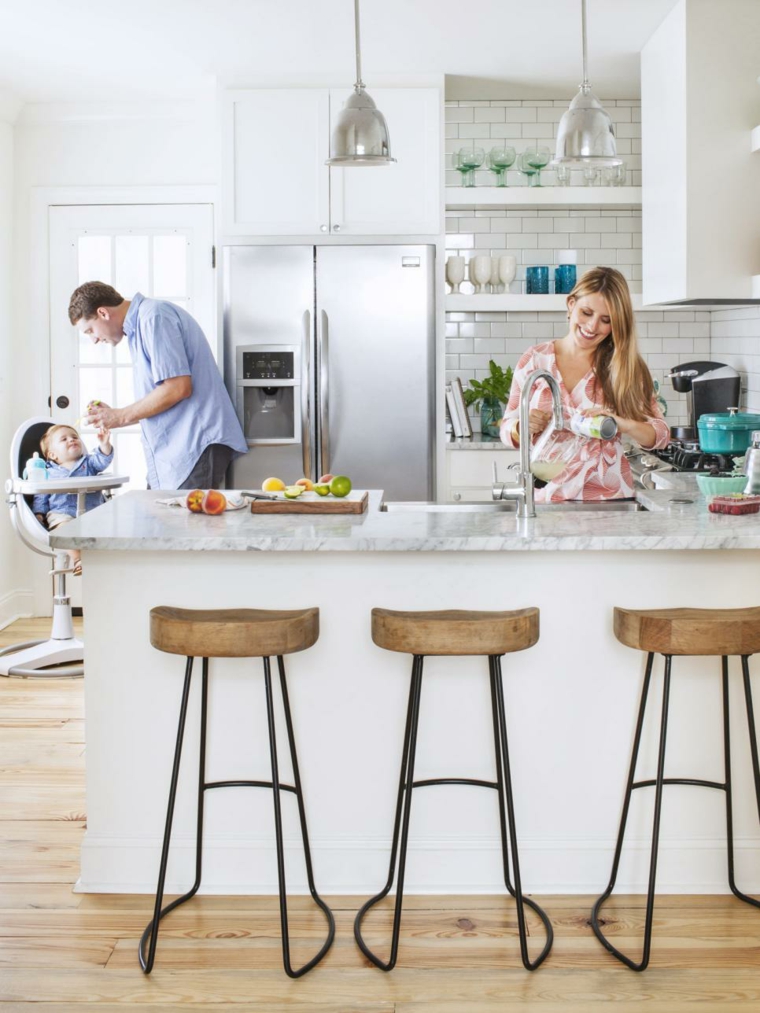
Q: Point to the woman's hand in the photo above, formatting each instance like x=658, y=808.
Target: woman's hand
x=642, y=432
x=538, y=421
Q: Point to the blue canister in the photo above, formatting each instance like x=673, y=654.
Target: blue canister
x=537, y=280
x=566, y=273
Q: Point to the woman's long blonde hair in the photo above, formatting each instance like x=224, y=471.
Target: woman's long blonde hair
x=622, y=375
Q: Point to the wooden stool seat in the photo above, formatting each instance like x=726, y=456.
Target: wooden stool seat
x=455, y=632
x=697, y=632
x=232, y=633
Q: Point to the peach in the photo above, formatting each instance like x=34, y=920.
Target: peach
x=306, y=483
x=214, y=502
x=326, y=479
x=194, y=501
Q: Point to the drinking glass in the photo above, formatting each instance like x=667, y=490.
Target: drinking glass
x=466, y=161
x=614, y=175
x=507, y=270
x=537, y=280
x=480, y=272
x=455, y=273
x=553, y=451
x=498, y=161
x=495, y=279
x=590, y=176
x=537, y=158
x=562, y=175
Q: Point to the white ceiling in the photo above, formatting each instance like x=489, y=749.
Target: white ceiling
x=84, y=50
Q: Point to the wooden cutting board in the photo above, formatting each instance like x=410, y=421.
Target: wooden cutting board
x=312, y=503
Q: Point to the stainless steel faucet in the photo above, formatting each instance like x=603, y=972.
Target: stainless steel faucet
x=523, y=489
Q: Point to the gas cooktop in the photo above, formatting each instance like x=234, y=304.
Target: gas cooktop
x=684, y=455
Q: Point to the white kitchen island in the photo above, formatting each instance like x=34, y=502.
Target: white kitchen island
x=571, y=700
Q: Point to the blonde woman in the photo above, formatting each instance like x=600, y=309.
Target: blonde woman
x=600, y=372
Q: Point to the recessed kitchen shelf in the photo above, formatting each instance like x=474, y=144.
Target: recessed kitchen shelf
x=755, y=141
x=494, y=197
x=524, y=303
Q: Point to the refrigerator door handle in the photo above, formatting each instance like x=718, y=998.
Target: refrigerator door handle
x=324, y=395
x=305, y=387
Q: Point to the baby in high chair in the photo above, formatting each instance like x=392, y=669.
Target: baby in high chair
x=65, y=453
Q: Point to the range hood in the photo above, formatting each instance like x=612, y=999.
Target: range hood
x=700, y=178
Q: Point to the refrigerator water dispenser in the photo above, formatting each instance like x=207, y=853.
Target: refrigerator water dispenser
x=268, y=393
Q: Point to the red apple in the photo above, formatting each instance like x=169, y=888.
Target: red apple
x=194, y=501
x=214, y=502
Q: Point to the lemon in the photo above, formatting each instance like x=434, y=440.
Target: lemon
x=340, y=486
x=292, y=491
x=272, y=485
x=322, y=490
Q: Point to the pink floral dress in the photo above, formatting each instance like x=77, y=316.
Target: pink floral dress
x=601, y=470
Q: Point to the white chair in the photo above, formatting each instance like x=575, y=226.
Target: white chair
x=62, y=648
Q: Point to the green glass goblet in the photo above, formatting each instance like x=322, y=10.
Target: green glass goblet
x=537, y=158
x=466, y=161
x=498, y=161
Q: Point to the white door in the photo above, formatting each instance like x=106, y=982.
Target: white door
x=399, y=199
x=276, y=182
x=160, y=250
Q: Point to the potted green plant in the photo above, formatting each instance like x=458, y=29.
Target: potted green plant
x=491, y=395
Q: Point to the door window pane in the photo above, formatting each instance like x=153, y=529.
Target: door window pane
x=132, y=265
x=95, y=259
x=89, y=351
x=129, y=459
x=169, y=266
x=95, y=384
x=125, y=389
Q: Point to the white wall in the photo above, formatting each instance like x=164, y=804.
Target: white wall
x=97, y=145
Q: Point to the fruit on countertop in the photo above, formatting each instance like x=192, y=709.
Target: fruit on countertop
x=214, y=502
x=306, y=483
x=194, y=501
x=293, y=491
x=735, y=503
x=321, y=489
x=272, y=485
x=325, y=479
x=340, y=486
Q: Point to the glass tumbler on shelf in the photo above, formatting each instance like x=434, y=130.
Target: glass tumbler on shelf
x=455, y=273
x=590, y=176
x=566, y=272
x=537, y=279
x=562, y=175
x=466, y=161
x=498, y=161
x=614, y=175
x=536, y=158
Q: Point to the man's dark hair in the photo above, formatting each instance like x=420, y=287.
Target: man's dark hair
x=89, y=297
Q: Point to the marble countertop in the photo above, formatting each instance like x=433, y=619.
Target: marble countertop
x=135, y=522
x=476, y=442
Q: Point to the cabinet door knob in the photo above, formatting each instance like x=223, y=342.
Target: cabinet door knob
x=457, y=496
x=323, y=228
x=336, y=228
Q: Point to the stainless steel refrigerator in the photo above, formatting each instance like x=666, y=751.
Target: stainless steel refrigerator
x=329, y=359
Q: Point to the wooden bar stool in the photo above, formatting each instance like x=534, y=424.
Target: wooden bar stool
x=683, y=632
x=455, y=633
x=235, y=633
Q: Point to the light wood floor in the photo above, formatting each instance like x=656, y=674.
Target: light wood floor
x=61, y=951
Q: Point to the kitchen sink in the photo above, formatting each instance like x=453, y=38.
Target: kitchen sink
x=510, y=506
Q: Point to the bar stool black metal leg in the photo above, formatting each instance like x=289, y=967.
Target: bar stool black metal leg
x=403, y=810
x=289, y=970
x=658, y=783
x=504, y=786
x=755, y=769
x=149, y=937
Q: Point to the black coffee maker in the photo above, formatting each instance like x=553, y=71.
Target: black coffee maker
x=709, y=387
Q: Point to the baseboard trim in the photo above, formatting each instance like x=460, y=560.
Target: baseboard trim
x=16, y=604
x=434, y=866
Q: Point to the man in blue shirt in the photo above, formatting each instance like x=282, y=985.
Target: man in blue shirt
x=190, y=431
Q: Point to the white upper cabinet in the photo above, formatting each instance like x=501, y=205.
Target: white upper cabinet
x=701, y=182
x=275, y=179
x=276, y=183
x=402, y=198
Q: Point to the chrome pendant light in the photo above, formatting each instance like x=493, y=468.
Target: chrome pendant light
x=586, y=136
x=360, y=135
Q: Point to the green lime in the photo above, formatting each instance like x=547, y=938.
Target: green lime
x=292, y=491
x=322, y=490
x=340, y=486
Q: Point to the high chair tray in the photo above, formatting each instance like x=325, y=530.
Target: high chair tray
x=91, y=483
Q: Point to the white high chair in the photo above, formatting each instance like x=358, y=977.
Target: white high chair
x=62, y=649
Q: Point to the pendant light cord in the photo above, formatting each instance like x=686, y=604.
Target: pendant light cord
x=359, y=86
x=585, y=87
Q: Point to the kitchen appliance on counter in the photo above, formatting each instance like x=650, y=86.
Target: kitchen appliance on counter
x=329, y=359
x=709, y=387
